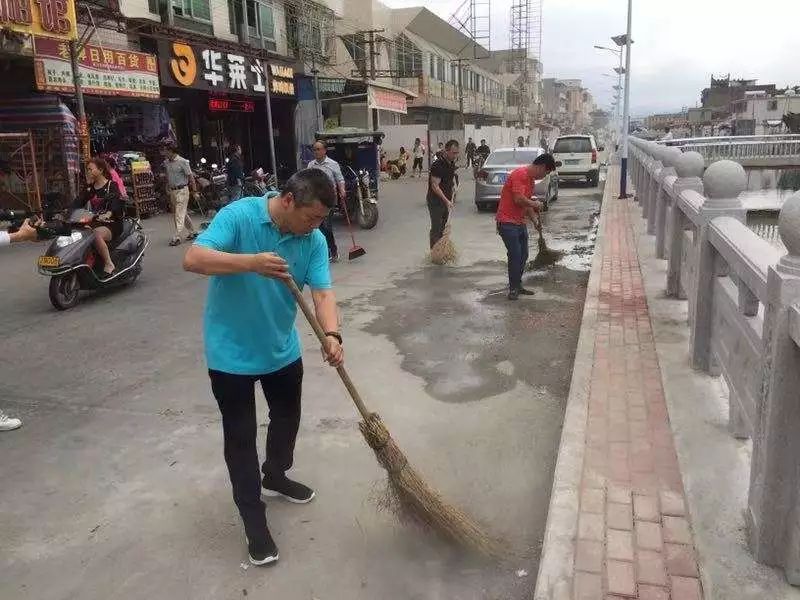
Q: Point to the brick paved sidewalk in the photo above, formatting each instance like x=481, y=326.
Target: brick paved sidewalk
x=634, y=539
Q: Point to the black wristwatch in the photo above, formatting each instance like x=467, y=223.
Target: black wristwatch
x=336, y=335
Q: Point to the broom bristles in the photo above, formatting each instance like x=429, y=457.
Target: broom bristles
x=444, y=251
x=413, y=499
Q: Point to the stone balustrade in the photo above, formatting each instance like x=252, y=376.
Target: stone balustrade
x=744, y=319
x=752, y=152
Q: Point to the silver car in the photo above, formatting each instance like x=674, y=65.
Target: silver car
x=498, y=165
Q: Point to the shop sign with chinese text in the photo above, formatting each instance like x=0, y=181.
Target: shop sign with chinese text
x=46, y=18
x=387, y=100
x=103, y=71
x=203, y=68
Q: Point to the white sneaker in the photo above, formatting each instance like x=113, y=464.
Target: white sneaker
x=7, y=423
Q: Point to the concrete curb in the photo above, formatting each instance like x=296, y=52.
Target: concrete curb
x=556, y=565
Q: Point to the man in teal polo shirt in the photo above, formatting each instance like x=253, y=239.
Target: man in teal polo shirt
x=250, y=249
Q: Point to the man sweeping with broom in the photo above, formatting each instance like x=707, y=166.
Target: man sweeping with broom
x=441, y=187
x=253, y=250
x=516, y=205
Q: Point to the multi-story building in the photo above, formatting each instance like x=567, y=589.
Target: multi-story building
x=760, y=114
x=568, y=104
x=660, y=121
x=190, y=71
x=721, y=92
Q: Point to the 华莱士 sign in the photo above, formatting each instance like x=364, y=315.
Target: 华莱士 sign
x=43, y=18
x=193, y=66
x=103, y=71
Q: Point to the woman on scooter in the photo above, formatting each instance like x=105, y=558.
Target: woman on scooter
x=101, y=196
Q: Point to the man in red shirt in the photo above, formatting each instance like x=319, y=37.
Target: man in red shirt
x=516, y=203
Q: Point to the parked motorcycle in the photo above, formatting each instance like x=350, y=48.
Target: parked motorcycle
x=258, y=183
x=212, y=185
x=73, y=264
x=361, y=201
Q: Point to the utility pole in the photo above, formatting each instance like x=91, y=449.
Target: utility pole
x=458, y=61
x=86, y=151
x=626, y=118
x=372, y=54
x=317, y=103
x=270, y=132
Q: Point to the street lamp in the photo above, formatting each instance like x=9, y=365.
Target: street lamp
x=609, y=49
x=625, y=40
x=619, y=71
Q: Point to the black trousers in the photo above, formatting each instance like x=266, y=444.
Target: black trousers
x=439, y=214
x=235, y=396
x=326, y=227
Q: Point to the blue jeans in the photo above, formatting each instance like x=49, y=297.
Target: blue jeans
x=515, y=237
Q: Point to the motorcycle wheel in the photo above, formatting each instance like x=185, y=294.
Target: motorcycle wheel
x=64, y=291
x=368, y=215
x=368, y=218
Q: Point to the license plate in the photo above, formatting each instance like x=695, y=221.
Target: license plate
x=499, y=178
x=572, y=161
x=49, y=261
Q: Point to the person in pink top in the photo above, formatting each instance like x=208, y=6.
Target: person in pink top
x=112, y=167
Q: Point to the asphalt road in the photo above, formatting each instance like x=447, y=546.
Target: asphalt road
x=115, y=486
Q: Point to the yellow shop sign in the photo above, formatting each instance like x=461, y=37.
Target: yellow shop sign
x=45, y=18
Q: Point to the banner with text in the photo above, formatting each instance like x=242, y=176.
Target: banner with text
x=384, y=99
x=103, y=71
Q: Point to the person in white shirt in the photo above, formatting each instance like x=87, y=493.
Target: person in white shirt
x=668, y=135
x=417, y=153
x=331, y=168
x=26, y=233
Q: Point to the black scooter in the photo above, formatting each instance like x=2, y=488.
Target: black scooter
x=72, y=262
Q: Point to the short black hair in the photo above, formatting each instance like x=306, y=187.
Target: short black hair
x=450, y=144
x=309, y=185
x=547, y=160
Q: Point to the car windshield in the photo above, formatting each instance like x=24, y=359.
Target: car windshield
x=572, y=145
x=511, y=157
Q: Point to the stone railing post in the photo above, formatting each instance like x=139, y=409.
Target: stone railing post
x=723, y=181
x=773, y=511
x=659, y=213
x=689, y=167
x=653, y=169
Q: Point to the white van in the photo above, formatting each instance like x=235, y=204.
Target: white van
x=578, y=157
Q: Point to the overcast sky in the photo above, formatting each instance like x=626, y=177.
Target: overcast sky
x=678, y=44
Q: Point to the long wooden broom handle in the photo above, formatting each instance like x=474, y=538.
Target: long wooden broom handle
x=312, y=320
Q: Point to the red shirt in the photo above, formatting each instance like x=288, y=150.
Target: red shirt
x=519, y=182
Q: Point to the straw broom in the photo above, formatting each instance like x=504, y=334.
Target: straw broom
x=444, y=251
x=411, y=497
x=546, y=256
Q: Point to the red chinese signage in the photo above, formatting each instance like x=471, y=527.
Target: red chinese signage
x=226, y=105
x=103, y=71
x=51, y=18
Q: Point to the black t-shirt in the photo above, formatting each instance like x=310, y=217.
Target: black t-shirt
x=483, y=150
x=444, y=170
x=470, y=147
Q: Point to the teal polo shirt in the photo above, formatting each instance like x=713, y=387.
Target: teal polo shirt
x=249, y=324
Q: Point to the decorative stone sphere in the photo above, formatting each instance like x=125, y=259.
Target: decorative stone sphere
x=724, y=179
x=789, y=224
x=690, y=164
x=670, y=156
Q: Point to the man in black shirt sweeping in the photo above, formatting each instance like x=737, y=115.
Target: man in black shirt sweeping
x=440, y=190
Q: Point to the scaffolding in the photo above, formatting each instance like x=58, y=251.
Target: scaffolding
x=310, y=31
x=473, y=19
x=525, y=44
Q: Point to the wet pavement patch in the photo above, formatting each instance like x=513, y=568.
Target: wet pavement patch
x=456, y=329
